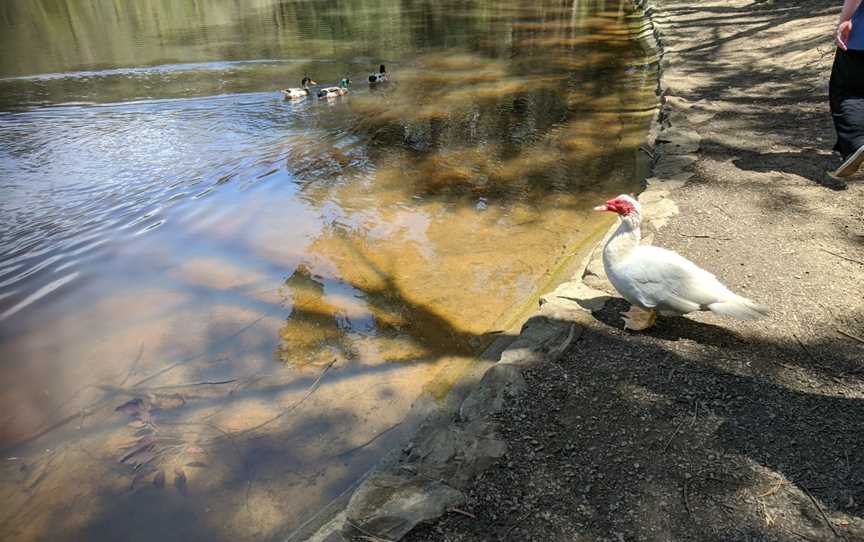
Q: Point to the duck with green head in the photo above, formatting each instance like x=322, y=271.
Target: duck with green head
x=302, y=92
x=332, y=92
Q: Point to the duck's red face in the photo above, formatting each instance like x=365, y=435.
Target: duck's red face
x=621, y=205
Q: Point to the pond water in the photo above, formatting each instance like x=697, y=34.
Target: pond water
x=217, y=306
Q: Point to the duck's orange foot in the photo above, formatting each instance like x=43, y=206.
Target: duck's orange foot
x=638, y=319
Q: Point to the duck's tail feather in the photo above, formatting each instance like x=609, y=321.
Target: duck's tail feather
x=740, y=307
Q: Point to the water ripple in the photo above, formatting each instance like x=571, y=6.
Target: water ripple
x=80, y=177
x=39, y=294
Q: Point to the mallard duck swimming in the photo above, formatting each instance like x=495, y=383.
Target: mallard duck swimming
x=381, y=77
x=332, y=92
x=302, y=92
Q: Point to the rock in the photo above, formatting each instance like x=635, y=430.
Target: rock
x=673, y=164
x=499, y=382
x=652, y=196
x=660, y=213
x=577, y=295
x=678, y=141
x=390, y=505
x=599, y=283
x=543, y=338
x=521, y=355
x=457, y=453
x=670, y=183
x=687, y=109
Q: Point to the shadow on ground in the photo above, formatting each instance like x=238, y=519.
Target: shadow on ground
x=687, y=432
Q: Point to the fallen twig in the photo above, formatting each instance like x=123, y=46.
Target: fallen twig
x=134, y=365
x=668, y=442
x=176, y=364
x=705, y=236
x=58, y=424
x=681, y=425
x=806, y=350
x=721, y=209
x=769, y=519
x=413, y=470
x=771, y=491
x=853, y=337
x=463, y=512
x=309, y=392
x=815, y=360
x=370, y=441
x=684, y=492
x=847, y=258
x=146, y=390
x=192, y=384
x=822, y=512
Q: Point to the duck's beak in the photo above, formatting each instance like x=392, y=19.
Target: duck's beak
x=311, y=82
x=601, y=208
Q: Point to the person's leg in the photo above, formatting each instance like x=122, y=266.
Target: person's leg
x=835, y=86
x=846, y=98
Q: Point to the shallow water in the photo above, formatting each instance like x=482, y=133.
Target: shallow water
x=217, y=307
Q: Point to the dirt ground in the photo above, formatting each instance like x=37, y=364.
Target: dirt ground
x=706, y=428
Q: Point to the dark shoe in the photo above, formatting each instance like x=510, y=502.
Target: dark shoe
x=832, y=181
x=851, y=164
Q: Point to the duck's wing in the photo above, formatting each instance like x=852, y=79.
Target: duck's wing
x=660, y=278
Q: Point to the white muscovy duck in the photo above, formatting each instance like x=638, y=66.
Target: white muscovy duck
x=654, y=279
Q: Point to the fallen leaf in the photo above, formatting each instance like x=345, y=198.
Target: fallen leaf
x=147, y=430
x=180, y=480
x=159, y=479
x=137, y=479
x=143, y=459
x=145, y=416
x=143, y=444
x=198, y=464
x=131, y=407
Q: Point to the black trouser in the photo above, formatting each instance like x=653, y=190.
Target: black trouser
x=846, y=95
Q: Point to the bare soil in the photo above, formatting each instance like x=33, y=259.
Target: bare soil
x=705, y=428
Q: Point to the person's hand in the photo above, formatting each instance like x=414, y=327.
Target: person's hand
x=842, y=36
